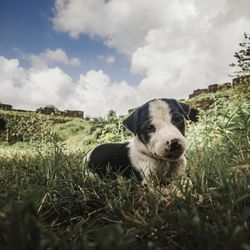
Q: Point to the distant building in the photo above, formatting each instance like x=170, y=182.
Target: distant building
x=74, y=113
x=213, y=88
x=47, y=110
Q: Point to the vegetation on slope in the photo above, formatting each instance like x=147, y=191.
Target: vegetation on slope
x=47, y=200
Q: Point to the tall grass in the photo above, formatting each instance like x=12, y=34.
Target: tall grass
x=47, y=201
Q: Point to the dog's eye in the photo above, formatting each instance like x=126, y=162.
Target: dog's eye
x=177, y=118
x=149, y=128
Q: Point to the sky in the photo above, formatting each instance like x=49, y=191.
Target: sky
x=98, y=55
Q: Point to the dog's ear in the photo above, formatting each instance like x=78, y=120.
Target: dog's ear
x=188, y=112
x=131, y=122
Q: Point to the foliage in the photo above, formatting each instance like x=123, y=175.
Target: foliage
x=77, y=134
x=243, y=57
x=47, y=200
x=28, y=126
x=112, y=129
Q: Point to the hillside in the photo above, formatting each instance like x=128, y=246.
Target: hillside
x=47, y=200
x=204, y=98
x=30, y=126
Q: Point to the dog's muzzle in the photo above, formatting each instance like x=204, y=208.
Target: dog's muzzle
x=174, y=150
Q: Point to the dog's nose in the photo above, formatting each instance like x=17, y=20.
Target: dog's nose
x=174, y=144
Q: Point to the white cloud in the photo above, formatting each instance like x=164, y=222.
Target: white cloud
x=176, y=46
x=175, y=69
x=108, y=59
x=31, y=88
x=50, y=57
x=122, y=24
x=94, y=93
x=98, y=94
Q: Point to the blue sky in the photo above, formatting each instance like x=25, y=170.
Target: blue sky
x=96, y=55
x=26, y=28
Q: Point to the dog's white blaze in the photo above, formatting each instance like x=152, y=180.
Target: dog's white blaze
x=142, y=159
x=165, y=130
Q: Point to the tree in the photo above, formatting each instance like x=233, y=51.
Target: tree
x=243, y=58
x=111, y=114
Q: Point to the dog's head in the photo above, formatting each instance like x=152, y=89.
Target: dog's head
x=160, y=125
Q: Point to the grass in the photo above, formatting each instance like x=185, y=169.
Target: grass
x=47, y=201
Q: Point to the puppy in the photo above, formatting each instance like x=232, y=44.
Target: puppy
x=158, y=145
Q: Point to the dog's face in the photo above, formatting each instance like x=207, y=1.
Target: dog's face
x=160, y=125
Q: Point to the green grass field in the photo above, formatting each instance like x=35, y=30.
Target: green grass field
x=47, y=200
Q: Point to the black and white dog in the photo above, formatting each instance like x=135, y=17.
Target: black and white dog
x=158, y=145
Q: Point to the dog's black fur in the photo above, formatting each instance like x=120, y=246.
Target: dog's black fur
x=110, y=159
